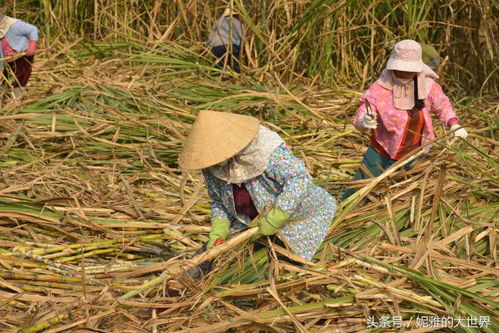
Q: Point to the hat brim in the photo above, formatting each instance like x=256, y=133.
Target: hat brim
x=215, y=137
x=406, y=66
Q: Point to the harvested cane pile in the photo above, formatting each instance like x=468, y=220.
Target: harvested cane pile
x=98, y=224
x=96, y=217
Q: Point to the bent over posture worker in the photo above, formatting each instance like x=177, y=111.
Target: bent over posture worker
x=253, y=179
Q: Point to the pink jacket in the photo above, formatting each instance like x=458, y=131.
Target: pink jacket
x=392, y=122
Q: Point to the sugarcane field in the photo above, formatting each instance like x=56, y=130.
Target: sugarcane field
x=249, y=166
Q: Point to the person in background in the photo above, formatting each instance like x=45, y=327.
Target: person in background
x=401, y=102
x=225, y=40
x=253, y=179
x=430, y=56
x=19, y=40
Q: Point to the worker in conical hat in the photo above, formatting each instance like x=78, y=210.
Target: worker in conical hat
x=225, y=40
x=19, y=41
x=253, y=179
x=397, y=110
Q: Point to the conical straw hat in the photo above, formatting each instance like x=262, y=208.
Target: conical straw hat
x=215, y=137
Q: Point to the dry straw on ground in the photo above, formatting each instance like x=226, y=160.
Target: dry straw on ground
x=95, y=214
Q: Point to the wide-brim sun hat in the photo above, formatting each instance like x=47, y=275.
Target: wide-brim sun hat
x=406, y=56
x=215, y=137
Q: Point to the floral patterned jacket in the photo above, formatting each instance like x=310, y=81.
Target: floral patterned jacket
x=288, y=185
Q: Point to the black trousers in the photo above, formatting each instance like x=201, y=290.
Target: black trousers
x=232, y=61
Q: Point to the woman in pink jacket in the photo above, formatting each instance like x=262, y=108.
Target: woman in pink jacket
x=397, y=108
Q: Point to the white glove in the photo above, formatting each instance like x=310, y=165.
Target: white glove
x=369, y=121
x=460, y=133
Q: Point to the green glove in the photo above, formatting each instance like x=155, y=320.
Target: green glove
x=270, y=224
x=219, y=229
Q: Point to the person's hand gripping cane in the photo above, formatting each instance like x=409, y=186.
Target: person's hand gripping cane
x=369, y=119
x=218, y=233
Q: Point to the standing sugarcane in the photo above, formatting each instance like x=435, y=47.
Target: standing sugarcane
x=402, y=98
x=253, y=179
x=19, y=40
